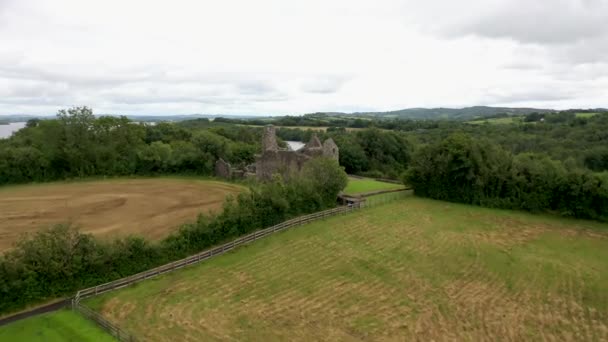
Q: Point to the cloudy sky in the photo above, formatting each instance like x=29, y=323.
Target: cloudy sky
x=290, y=57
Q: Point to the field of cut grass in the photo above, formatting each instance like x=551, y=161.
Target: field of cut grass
x=60, y=326
x=585, y=115
x=414, y=269
x=357, y=186
x=498, y=121
x=152, y=207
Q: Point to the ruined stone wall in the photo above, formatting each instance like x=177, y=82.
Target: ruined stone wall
x=331, y=150
x=223, y=169
x=269, y=139
x=275, y=160
x=282, y=162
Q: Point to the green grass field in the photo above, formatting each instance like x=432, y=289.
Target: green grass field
x=414, y=269
x=60, y=326
x=585, y=115
x=498, y=121
x=358, y=186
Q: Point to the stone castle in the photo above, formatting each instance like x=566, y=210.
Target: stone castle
x=277, y=160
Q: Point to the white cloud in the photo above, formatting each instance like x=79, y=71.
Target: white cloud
x=280, y=57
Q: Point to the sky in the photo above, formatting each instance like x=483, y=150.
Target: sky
x=292, y=57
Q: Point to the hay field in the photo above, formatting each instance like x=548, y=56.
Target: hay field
x=109, y=208
x=414, y=269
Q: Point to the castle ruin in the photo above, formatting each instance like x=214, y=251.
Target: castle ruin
x=283, y=161
x=279, y=160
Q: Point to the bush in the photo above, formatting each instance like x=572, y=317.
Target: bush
x=460, y=169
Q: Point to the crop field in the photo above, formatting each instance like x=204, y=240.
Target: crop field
x=358, y=186
x=414, y=269
x=60, y=326
x=150, y=207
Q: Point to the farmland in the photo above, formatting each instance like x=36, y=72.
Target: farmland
x=357, y=186
x=109, y=208
x=498, y=121
x=412, y=269
x=60, y=326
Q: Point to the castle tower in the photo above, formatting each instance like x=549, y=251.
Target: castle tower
x=269, y=139
x=330, y=149
x=314, y=142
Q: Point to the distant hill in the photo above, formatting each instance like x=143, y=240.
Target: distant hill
x=467, y=113
x=463, y=114
x=6, y=119
x=138, y=117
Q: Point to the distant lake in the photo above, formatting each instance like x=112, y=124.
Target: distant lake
x=8, y=130
x=295, y=145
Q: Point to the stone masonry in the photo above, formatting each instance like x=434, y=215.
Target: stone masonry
x=275, y=160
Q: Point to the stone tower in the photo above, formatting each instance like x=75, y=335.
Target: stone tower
x=269, y=139
x=330, y=149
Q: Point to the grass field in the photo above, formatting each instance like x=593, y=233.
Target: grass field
x=498, y=121
x=357, y=186
x=60, y=326
x=414, y=269
x=150, y=207
x=312, y=128
x=585, y=115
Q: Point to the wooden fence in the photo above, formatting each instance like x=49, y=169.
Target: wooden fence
x=122, y=335
x=106, y=325
x=120, y=283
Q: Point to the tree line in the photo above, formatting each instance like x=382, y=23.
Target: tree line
x=580, y=143
x=77, y=144
x=477, y=171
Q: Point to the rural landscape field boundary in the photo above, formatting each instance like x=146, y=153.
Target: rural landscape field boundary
x=193, y=259
x=121, y=334
x=103, y=323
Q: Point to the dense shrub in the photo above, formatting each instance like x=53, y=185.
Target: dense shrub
x=78, y=144
x=461, y=169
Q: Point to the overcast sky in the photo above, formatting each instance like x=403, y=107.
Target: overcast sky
x=291, y=57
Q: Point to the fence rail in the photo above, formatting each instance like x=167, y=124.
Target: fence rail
x=124, y=336
x=106, y=325
x=196, y=258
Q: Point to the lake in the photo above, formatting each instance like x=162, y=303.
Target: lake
x=8, y=130
x=294, y=145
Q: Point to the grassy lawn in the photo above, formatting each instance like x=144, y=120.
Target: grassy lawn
x=357, y=186
x=60, y=326
x=414, y=269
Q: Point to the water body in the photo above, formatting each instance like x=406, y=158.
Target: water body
x=8, y=130
x=295, y=145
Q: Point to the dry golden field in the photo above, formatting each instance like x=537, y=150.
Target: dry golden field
x=109, y=208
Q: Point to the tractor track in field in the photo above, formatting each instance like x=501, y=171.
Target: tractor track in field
x=353, y=281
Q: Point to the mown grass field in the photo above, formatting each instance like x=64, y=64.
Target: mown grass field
x=414, y=269
x=152, y=207
x=358, y=186
x=60, y=326
x=498, y=121
x=585, y=115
